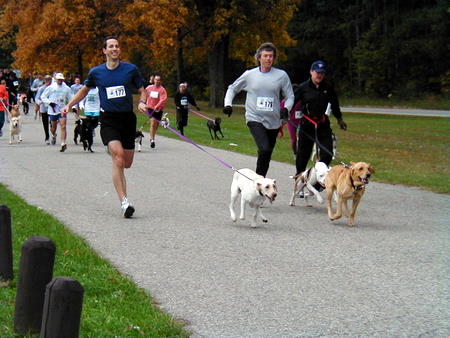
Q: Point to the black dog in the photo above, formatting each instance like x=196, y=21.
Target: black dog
x=77, y=131
x=84, y=128
x=214, y=126
x=138, y=138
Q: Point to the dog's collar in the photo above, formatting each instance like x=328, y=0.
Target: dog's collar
x=356, y=188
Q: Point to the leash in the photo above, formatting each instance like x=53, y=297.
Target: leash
x=315, y=140
x=226, y=164
x=201, y=115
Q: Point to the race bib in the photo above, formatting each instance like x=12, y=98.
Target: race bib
x=115, y=92
x=184, y=102
x=264, y=103
x=16, y=83
x=154, y=94
x=298, y=114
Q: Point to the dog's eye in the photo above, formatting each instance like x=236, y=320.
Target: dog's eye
x=267, y=186
x=360, y=168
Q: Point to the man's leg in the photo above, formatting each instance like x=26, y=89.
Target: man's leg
x=153, y=127
x=63, y=122
x=53, y=127
x=121, y=159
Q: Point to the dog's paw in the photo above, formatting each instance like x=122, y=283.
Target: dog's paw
x=253, y=225
x=292, y=203
x=320, y=199
x=265, y=220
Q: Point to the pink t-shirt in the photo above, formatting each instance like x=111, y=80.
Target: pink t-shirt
x=157, y=97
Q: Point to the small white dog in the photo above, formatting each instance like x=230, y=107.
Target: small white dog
x=254, y=189
x=308, y=179
x=14, y=128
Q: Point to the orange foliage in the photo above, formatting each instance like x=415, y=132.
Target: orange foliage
x=55, y=35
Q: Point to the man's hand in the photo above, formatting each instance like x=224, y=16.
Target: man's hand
x=228, y=110
x=65, y=110
x=52, y=104
x=142, y=107
x=342, y=124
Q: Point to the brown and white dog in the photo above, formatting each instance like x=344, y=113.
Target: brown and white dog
x=254, y=190
x=15, y=129
x=349, y=183
x=307, y=180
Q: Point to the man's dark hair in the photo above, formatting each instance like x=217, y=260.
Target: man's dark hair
x=105, y=41
x=268, y=47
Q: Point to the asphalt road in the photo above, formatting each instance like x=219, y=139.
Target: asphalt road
x=298, y=275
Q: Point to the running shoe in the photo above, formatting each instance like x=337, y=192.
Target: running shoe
x=47, y=141
x=152, y=144
x=54, y=139
x=127, y=208
x=63, y=147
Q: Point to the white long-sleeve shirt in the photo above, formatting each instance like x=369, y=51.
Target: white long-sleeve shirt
x=91, y=103
x=262, y=103
x=58, y=94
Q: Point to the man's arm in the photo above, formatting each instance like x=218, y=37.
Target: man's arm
x=75, y=99
x=142, y=106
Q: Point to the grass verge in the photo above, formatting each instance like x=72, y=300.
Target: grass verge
x=408, y=150
x=112, y=307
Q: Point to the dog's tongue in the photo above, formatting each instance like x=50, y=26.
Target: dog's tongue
x=365, y=181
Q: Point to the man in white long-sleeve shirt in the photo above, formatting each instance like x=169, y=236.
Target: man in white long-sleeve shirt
x=56, y=96
x=263, y=85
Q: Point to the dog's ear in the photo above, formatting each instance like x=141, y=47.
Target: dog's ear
x=352, y=163
x=258, y=186
x=274, y=181
x=371, y=169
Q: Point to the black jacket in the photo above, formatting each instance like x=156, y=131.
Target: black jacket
x=315, y=100
x=184, y=98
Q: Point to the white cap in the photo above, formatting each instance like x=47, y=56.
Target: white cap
x=59, y=76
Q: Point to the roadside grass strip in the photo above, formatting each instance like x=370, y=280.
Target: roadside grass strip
x=113, y=306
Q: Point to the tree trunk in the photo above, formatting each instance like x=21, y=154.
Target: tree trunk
x=80, y=62
x=180, y=59
x=216, y=58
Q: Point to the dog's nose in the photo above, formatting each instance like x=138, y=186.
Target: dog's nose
x=368, y=175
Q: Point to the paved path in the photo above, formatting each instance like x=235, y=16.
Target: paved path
x=398, y=111
x=298, y=275
x=392, y=111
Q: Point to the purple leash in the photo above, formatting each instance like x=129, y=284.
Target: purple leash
x=226, y=164
x=201, y=115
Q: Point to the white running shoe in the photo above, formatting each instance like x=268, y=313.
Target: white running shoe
x=127, y=208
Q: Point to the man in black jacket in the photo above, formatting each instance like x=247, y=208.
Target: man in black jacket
x=182, y=100
x=315, y=95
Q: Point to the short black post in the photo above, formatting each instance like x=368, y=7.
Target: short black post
x=35, y=272
x=6, y=256
x=62, y=308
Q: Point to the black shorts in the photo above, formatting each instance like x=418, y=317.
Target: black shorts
x=118, y=126
x=156, y=114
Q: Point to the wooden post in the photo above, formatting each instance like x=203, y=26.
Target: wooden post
x=35, y=272
x=6, y=256
x=62, y=308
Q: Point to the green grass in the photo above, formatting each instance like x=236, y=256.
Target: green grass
x=428, y=102
x=112, y=306
x=408, y=150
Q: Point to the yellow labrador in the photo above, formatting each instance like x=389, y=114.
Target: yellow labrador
x=349, y=184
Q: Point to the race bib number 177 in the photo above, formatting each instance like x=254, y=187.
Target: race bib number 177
x=115, y=92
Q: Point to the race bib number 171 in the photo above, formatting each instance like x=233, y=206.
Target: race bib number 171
x=115, y=92
x=264, y=103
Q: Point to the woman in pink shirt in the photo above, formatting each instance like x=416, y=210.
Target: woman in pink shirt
x=157, y=97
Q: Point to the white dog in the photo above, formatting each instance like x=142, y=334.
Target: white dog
x=254, y=189
x=308, y=179
x=14, y=128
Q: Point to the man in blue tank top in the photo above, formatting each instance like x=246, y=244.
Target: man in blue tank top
x=115, y=81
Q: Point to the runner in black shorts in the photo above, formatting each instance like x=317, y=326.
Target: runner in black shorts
x=120, y=127
x=115, y=81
